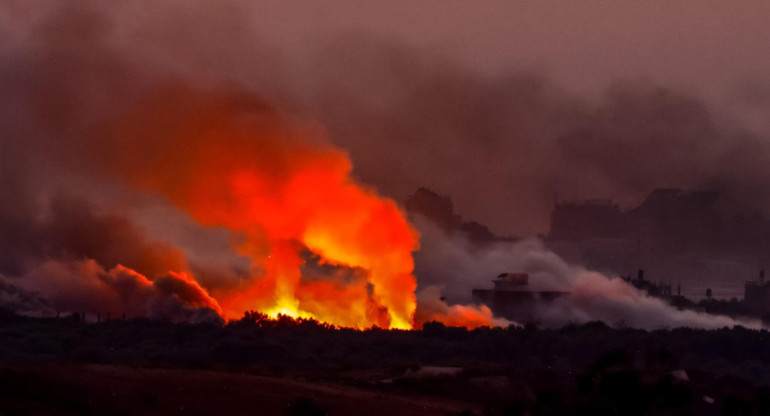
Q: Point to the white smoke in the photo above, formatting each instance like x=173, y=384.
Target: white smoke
x=457, y=266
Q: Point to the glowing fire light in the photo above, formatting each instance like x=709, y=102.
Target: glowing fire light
x=233, y=163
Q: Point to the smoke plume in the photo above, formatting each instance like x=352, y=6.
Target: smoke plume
x=232, y=160
x=221, y=154
x=84, y=286
x=112, y=113
x=452, y=266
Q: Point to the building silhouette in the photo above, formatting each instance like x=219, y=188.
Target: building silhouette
x=512, y=299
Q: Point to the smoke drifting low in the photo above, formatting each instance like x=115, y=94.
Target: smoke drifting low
x=450, y=265
x=55, y=261
x=70, y=230
x=86, y=287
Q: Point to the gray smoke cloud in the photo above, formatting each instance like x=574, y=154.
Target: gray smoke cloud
x=24, y=302
x=86, y=287
x=450, y=265
x=71, y=241
x=68, y=258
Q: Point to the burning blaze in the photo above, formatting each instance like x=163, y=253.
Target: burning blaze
x=432, y=308
x=233, y=161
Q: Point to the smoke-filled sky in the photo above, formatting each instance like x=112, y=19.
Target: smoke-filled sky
x=582, y=45
x=535, y=99
x=530, y=99
x=114, y=117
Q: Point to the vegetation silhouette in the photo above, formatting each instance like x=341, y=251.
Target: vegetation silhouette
x=588, y=368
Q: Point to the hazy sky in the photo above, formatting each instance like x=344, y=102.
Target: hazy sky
x=704, y=44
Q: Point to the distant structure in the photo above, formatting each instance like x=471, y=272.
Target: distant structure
x=581, y=221
x=757, y=295
x=440, y=210
x=511, y=297
x=662, y=208
x=668, y=219
x=670, y=230
x=660, y=289
x=511, y=281
x=679, y=301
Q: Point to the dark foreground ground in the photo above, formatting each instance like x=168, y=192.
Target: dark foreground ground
x=117, y=390
x=260, y=367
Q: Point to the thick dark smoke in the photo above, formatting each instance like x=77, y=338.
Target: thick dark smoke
x=70, y=230
x=507, y=148
x=504, y=146
x=525, y=141
x=24, y=302
x=60, y=262
x=410, y=117
x=87, y=287
x=58, y=250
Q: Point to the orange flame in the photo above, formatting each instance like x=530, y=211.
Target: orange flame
x=231, y=161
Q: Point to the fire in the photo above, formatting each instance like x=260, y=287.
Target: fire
x=432, y=308
x=469, y=316
x=231, y=161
